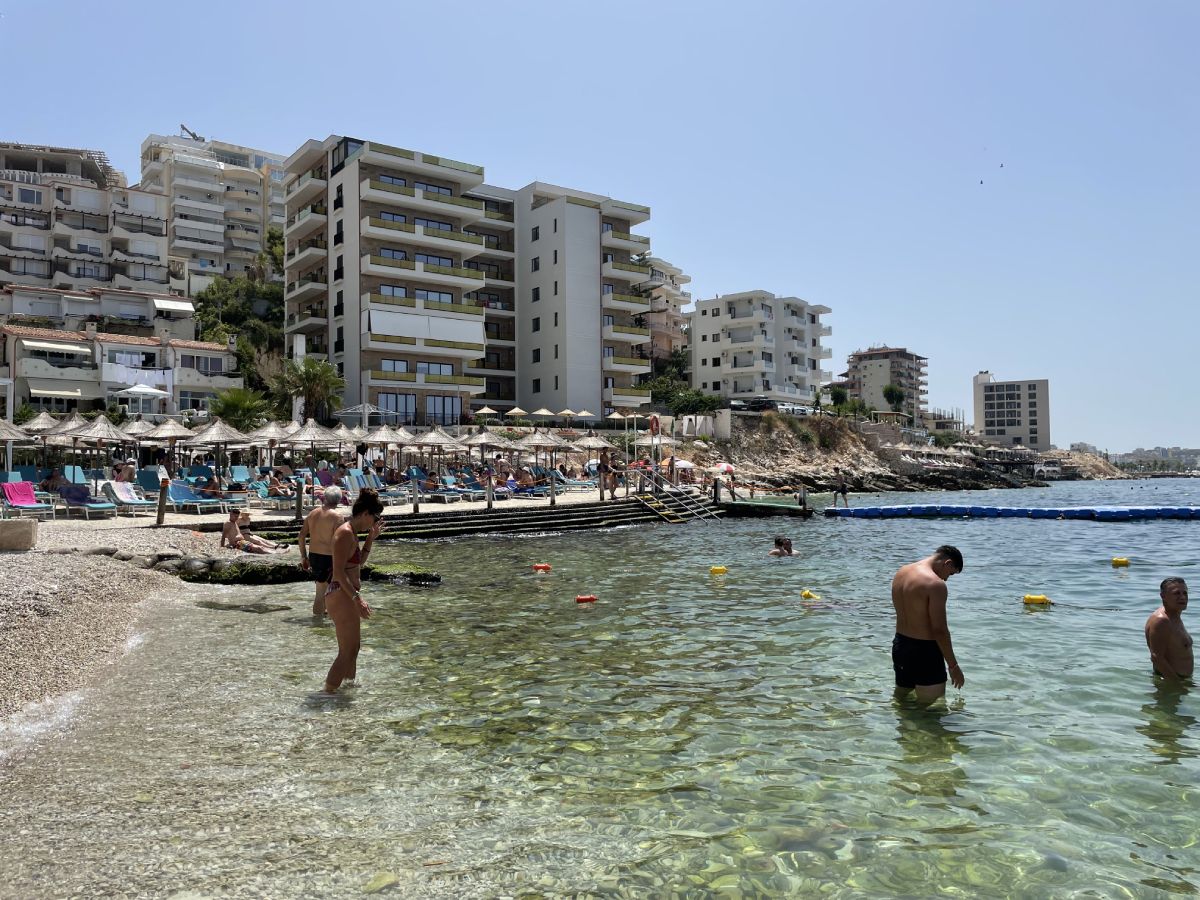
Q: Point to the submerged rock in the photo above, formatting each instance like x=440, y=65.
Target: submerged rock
x=244, y=607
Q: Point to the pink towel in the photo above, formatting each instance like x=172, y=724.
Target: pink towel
x=19, y=493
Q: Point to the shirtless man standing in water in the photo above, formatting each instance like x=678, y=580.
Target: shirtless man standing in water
x=319, y=526
x=1169, y=642
x=921, y=648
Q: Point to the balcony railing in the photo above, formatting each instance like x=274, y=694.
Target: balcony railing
x=387, y=300
x=629, y=267
x=453, y=345
x=391, y=151
x=630, y=329
x=498, y=216
x=627, y=298
x=376, y=222
x=454, y=271
x=393, y=376
x=631, y=391
x=452, y=164
x=466, y=308
x=473, y=380
x=307, y=245
x=627, y=361
x=378, y=185
x=625, y=236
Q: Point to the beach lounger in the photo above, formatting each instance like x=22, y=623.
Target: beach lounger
x=240, y=474
x=499, y=491
x=387, y=493
x=417, y=478
x=199, y=471
x=452, y=484
x=259, y=492
x=125, y=497
x=74, y=474
x=77, y=496
x=182, y=496
x=572, y=484
x=19, y=500
x=149, y=481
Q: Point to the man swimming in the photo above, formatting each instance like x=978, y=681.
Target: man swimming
x=921, y=648
x=1169, y=642
x=783, y=547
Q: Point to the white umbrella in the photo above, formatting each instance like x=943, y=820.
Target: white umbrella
x=516, y=412
x=142, y=390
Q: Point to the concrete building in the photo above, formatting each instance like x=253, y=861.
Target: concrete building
x=870, y=371
x=756, y=344
x=68, y=220
x=223, y=197
x=74, y=350
x=1013, y=412
x=666, y=318
x=435, y=293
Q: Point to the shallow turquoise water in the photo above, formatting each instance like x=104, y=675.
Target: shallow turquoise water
x=688, y=733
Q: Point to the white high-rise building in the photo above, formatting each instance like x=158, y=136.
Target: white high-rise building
x=755, y=344
x=1013, y=412
x=435, y=293
x=68, y=221
x=223, y=197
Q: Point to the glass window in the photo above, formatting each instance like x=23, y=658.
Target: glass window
x=392, y=217
x=537, y=385
x=393, y=290
x=536, y=324
x=537, y=354
x=437, y=296
x=428, y=368
x=535, y=295
x=28, y=195
x=394, y=179
x=432, y=188
x=393, y=253
x=433, y=224
x=535, y=264
x=443, y=410
x=393, y=365
x=537, y=232
x=399, y=407
x=431, y=259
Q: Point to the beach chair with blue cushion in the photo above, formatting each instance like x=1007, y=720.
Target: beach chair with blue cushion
x=499, y=491
x=18, y=499
x=182, y=496
x=259, y=492
x=453, y=484
x=74, y=474
x=77, y=496
x=387, y=493
x=417, y=479
x=240, y=474
x=572, y=484
x=126, y=498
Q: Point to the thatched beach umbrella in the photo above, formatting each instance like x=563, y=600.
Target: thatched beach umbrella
x=101, y=431
x=268, y=435
x=11, y=434
x=43, y=421
x=545, y=441
x=219, y=435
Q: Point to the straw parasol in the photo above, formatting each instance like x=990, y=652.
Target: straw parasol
x=516, y=412
x=543, y=412
x=586, y=414
x=310, y=433
x=343, y=433
x=594, y=442
x=69, y=424
x=359, y=431
x=170, y=430
x=544, y=441
x=43, y=421
x=137, y=428
x=655, y=440
x=100, y=430
x=485, y=412
x=386, y=435
x=269, y=433
x=9, y=432
x=219, y=435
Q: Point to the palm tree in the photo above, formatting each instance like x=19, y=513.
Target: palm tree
x=241, y=408
x=316, y=381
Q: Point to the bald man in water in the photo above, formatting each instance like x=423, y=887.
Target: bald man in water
x=1169, y=642
x=921, y=648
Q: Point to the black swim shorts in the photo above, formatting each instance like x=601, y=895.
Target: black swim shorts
x=322, y=567
x=917, y=662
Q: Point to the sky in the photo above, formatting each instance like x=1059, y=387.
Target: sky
x=1010, y=186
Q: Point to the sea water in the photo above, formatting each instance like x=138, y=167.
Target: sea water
x=687, y=734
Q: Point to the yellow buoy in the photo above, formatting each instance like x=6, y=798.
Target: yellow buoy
x=717, y=570
x=809, y=595
x=1120, y=562
x=1038, y=600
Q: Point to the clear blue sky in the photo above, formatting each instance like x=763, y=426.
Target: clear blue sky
x=833, y=151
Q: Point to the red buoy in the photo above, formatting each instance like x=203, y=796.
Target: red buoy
x=585, y=598
x=541, y=567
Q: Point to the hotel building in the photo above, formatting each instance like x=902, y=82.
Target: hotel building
x=434, y=293
x=1013, y=412
x=666, y=318
x=68, y=221
x=223, y=197
x=755, y=344
x=71, y=350
x=870, y=371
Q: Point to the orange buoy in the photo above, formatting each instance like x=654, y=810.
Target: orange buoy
x=541, y=567
x=585, y=598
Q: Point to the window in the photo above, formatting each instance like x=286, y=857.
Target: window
x=436, y=296
x=716, y=361
x=556, y=382
x=443, y=410
x=704, y=312
x=207, y=364
x=556, y=257
x=535, y=295
x=433, y=224
x=393, y=290
x=430, y=259
x=27, y=195
x=537, y=385
x=556, y=351
x=606, y=227
x=400, y=407
x=392, y=253
x=556, y=226
x=536, y=324
x=704, y=338
x=393, y=179
x=428, y=368
x=535, y=264
x=716, y=338
x=432, y=188
x=609, y=352
x=556, y=289
x=393, y=365
x=536, y=233
x=556, y=320
x=537, y=355
x=609, y=381
x=608, y=289
x=716, y=311
x=338, y=271
x=393, y=217
x=338, y=200
x=193, y=400
x=135, y=359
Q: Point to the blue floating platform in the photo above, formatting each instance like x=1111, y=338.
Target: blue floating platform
x=1080, y=513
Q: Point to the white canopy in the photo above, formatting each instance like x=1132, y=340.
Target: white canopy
x=53, y=347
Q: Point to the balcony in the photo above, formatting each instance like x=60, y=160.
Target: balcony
x=27, y=271
x=307, y=254
x=308, y=287
x=428, y=346
x=820, y=352
x=183, y=245
x=626, y=272
x=496, y=219
x=73, y=224
x=120, y=254
x=464, y=245
x=746, y=317
x=756, y=341
x=187, y=206
x=460, y=208
x=381, y=300
x=620, y=240
x=140, y=282
x=242, y=192
x=439, y=168
x=308, y=320
x=824, y=330
x=750, y=365
x=241, y=214
x=626, y=212
x=194, y=378
x=632, y=365
x=630, y=303
x=131, y=228
x=40, y=368
x=626, y=396
x=305, y=188
x=386, y=267
x=114, y=373
x=305, y=222
x=627, y=334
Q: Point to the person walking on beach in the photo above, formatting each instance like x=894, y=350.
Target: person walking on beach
x=319, y=526
x=921, y=648
x=839, y=487
x=1169, y=642
x=343, y=599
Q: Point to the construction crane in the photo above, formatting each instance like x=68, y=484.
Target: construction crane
x=190, y=133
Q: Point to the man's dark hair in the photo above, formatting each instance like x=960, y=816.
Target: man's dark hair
x=1168, y=582
x=779, y=541
x=951, y=553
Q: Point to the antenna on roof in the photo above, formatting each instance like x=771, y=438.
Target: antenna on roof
x=190, y=133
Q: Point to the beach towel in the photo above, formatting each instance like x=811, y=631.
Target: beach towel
x=76, y=493
x=19, y=493
x=126, y=494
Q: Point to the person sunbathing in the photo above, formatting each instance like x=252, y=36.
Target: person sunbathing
x=233, y=537
x=52, y=482
x=277, y=488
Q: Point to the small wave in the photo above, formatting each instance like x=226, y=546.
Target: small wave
x=26, y=725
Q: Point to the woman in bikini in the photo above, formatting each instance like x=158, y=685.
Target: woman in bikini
x=343, y=601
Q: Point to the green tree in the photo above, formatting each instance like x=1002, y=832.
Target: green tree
x=894, y=396
x=242, y=408
x=251, y=308
x=690, y=401
x=23, y=414
x=838, y=396
x=314, y=380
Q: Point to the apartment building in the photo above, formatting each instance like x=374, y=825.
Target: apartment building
x=71, y=350
x=435, y=293
x=68, y=220
x=223, y=197
x=757, y=344
x=667, y=300
x=1012, y=412
x=870, y=371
